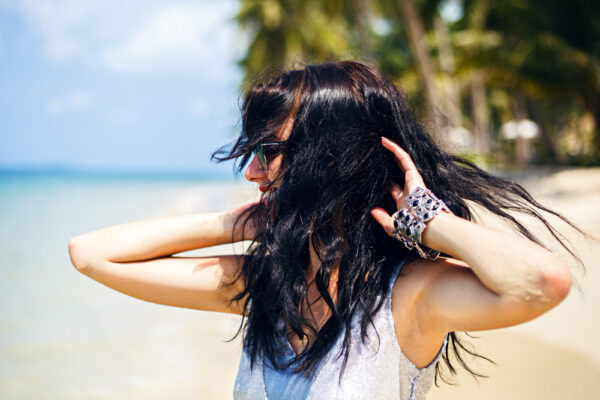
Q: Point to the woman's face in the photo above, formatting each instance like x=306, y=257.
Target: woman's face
x=255, y=172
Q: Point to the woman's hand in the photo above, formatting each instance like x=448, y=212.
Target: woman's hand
x=250, y=230
x=412, y=179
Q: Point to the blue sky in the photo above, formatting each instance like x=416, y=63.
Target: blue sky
x=118, y=85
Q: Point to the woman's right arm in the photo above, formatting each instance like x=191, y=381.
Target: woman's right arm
x=136, y=259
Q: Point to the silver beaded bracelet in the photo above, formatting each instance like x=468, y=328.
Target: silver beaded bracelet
x=409, y=222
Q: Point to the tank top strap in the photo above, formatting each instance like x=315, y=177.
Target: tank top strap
x=419, y=376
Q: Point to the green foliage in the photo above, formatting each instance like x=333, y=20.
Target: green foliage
x=538, y=59
x=484, y=161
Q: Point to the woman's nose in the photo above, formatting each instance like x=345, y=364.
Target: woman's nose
x=255, y=171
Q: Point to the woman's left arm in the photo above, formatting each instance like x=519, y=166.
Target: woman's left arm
x=510, y=279
x=505, y=263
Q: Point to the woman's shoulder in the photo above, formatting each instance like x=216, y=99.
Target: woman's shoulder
x=414, y=276
x=416, y=334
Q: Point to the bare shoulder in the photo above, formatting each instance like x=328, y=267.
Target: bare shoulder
x=417, y=274
x=417, y=334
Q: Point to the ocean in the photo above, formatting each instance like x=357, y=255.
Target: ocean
x=66, y=336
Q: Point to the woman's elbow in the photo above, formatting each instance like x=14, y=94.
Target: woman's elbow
x=557, y=281
x=79, y=254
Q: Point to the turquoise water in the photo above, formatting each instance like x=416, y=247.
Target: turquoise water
x=63, y=335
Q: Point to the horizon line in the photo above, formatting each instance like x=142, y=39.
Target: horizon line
x=70, y=171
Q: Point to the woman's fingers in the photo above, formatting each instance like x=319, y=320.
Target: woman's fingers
x=402, y=158
x=412, y=179
x=397, y=193
x=384, y=219
x=396, y=190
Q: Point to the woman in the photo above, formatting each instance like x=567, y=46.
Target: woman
x=343, y=290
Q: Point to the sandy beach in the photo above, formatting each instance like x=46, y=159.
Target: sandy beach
x=65, y=336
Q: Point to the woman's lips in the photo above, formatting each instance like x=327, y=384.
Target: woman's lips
x=264, y=189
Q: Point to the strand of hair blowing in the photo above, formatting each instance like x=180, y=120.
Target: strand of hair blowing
x=334, y=172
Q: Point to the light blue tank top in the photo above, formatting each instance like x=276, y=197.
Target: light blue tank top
x=375, y=369
x=282, y=384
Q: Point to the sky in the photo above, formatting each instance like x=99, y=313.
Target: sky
x=118, y=85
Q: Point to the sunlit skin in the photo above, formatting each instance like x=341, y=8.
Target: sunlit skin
x=492, y=280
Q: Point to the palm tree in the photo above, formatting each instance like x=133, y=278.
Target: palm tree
x=405, y=12
x=285, y=31
x=549, y=54
x=546, y=52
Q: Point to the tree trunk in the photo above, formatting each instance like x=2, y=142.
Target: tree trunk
x=545, y=137
x=597, y=125
x=481, y=120
x=452, y=97
x=522, y=145
x=416, y=34
x=361, y=13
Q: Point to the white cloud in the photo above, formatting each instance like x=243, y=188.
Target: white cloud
x=198, y=106
x=68, y=29
x=177, y=37
x=71, y=102
x=131, y=36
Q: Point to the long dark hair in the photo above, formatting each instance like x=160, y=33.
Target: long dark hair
x=334, y=171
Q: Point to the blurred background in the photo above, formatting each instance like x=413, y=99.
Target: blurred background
x=109, y=111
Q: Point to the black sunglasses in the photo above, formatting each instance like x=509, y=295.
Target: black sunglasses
x=264, y=151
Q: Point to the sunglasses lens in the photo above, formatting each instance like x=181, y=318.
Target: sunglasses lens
x=258, y=150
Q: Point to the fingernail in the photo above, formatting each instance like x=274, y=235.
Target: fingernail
x=383, y=139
